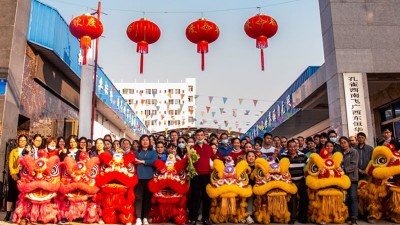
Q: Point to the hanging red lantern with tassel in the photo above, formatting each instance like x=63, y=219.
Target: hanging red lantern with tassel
x=86, y=28
x=143, y=32
x=202, y=32
x=261, y=27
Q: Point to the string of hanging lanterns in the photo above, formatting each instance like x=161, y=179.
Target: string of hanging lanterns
x=201, y=32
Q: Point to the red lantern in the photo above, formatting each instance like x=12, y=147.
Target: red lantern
x=85, y=27
x=143, y=32
x=261, y=27
x=202, y=32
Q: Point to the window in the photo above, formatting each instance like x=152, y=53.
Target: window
x=131, y=91
x=130, y=101
x=191, y=108
x=125, y=91
x=171, y=101
x=177, y=101
x=148, y=101
x=147, y=112
x=148, y=91
x=177, y=112
x=386, y=113
x=190, y=98
x=147, y=123
x=191, y=88
x=177, y=91
x=154, y=112
x=171, y=112
x=154, y=91
x=190, y=119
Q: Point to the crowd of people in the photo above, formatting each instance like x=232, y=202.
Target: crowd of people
x=149, y=148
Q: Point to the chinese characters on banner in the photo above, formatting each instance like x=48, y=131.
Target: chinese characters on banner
x=355, y=103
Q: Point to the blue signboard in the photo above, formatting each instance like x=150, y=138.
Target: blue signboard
x=3, y=86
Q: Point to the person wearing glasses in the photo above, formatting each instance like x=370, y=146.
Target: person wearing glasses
x=82, y=144
x=33, y=149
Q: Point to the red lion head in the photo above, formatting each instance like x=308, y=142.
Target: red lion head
x=40, y=178
x=78, y=178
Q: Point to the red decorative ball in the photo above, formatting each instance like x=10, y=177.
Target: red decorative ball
x=324, y=153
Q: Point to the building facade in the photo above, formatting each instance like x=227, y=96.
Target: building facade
x=162, y=106
x=357, y=87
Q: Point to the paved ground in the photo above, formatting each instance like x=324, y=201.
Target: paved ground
x=360, y=222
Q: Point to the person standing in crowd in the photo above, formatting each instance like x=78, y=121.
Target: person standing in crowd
x=224, y=146
x=199, y=182
x=161, y=138
x=283, y=144
x=365, y=155
x=353, y=141
x=323, y=139
x=297, y=162
x=317, y=141
x=152, y=141
x=33, y=149
x=243, y=142
x=217, y=154
x=61, y=145
x=51, y=148
x=330, y=146
x=13, y=175
x=248, y=147
x=98, y=148
x=160, y=149
x=332, y=135
x=257, y=149
x=108, y=146
x=300, y=140
x=277, y=143
x=171, y=149
x=125, y=146
x=116, y=146
x=268, y=149
x=190, y=141
x=237, y=153
x=251, y=159
x=108, y=137
x=82, y=144
x=173, y=137
x=350, y=168
x=311, y=146
x=90, y=144
x=388, y=140
x=72, y=149
x=182, y=147
x=135, y=145
x=145, y=158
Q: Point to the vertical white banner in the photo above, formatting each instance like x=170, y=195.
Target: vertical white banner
x=355, y=103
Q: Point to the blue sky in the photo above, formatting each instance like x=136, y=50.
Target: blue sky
x=232, y=65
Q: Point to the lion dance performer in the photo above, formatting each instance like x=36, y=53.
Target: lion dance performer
x=381, y=195
x=326, y=188
x=39, y=184
x=78, y=186
x=273, y=189
x=117, y=179
x=228, y=190
x=169, y=187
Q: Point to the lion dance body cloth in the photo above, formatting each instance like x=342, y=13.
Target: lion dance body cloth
x=169, y=187
x=78, y=189
x=39, y=183
x=117, y=179
x=229, y=190
x=326, y=183
x=273, y=189
x=381, y=195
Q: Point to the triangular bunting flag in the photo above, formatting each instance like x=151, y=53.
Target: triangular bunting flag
x=181, y=105
x=134, y=105
x=158, y=108
x=213, y=114
x=169, y=94
x=240, y=129
x=240, y=100
x=191, y=111
x=224, y=99
x=255, y=102
x=154, y=95
x=141, y=92
x=182, y=95
x=142, y=101
x=202, y=113
x=196, y=96
x=262, y=112
x=208, y=109
x=210, y=98
x=221, y=110
x=246, y=112
x=226, y=123
x=162, y=117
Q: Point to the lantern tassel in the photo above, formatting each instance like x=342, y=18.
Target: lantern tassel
x=141, y=63
x=85, y=44
x=202, y=61
x=262, y=59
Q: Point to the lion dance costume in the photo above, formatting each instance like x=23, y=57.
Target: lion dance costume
x=273, y=189
x=117, y=179
x=169, y=187
x=78, y=186
x=382, y=193
x=39, y=183
x=228, y=191
x=326, y=183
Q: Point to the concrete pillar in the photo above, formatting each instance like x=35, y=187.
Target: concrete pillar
x=85, y=99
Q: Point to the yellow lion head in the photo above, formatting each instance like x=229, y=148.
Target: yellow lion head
x=385, y=165
x=270, y=175
x=324, y=172
x=229, y=181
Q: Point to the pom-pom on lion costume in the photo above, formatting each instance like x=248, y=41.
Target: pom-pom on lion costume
x=382, y=193
x=326, y=183
x=228, y=191
x=169, y=187
x=117, y=179
x=39, y=183
x=78, y=186
x=273, y=189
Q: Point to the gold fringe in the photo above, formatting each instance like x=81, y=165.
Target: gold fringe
x=327, y=208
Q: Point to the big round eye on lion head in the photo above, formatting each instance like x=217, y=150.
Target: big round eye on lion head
x=94, y=171
x=131, y=168
x=25, y=171
x=380, y=160
x=260, y=173
x=55, y=171
x=313, y=169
